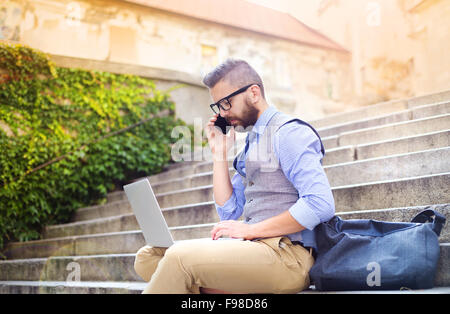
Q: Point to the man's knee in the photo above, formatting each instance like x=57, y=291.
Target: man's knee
x=146, y=261
x=177, y=253
x=185, y=256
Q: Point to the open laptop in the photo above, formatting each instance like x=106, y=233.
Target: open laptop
x=148, y=214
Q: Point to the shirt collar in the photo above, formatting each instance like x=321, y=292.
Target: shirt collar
x=263, y=120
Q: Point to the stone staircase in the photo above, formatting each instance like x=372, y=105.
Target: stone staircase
x=387, y=162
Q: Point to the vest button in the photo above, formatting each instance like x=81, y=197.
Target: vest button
x=251, y=183
x=250, y=200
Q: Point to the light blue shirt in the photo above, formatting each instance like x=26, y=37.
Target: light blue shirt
x=299, y=153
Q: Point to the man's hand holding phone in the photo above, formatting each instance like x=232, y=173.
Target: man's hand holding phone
x=219, y=142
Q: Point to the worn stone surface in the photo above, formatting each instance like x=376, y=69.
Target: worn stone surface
x=389, y=168
x=396, y=130
x=425, y=190
x=407, y=144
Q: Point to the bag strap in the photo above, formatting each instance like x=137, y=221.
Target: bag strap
x=427, y=216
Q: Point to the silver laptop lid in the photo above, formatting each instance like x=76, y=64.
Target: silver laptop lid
x=148, y=214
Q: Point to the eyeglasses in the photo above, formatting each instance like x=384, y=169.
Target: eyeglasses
x=225, y=103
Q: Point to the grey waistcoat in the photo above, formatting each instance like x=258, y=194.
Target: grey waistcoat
x=267, y=190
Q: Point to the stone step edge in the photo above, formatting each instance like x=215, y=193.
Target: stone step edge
x=231, y=169
x=106, y=234
x=391, y=140
x=118, y=217
x=355, y=147
x=335, y=188
x=83, y=236
x=411, y=110
x=408, y=103
x=356, y=162
x=211, y=203
x=89, y=208
x=435, y=290
x=389, y=181
x=386, y=126
x=129, y=285
x=210, y=186
x=188, y=177
x=138, y=287
x=112, y=255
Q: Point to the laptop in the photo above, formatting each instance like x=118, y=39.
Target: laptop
x=148, y=214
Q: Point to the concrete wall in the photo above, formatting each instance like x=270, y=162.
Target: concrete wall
x=301, y=80
x=399, y=47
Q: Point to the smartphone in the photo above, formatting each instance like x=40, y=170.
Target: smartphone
x=222, y=124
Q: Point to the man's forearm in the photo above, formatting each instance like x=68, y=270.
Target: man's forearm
x=273, y=227
x=279, y=225
x=222, y=187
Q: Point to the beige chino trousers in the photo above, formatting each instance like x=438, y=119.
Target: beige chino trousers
x=272, y=265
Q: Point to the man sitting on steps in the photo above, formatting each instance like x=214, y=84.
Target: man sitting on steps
x=280, y=187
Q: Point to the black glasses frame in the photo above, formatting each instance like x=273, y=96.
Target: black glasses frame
x=227, y=99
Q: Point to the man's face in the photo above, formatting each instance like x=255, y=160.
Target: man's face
x=242, y=113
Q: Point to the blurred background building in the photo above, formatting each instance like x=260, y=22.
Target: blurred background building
x=316, y=57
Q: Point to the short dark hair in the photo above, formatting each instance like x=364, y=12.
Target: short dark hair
x=235, y=72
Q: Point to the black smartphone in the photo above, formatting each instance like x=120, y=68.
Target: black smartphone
x=222, y=124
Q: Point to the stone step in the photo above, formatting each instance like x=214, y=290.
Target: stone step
x=345, y=196
x=111, y=267
x=387, y=148
x=400, y=166
x=94, y=244
x=393, y=131
x=435, y=290
x=184, y=171
x=197, y=215
x=205, y=193
x=335, y=155
x=199, y=179
x=114, y=268
x=381, y=109
x=111, y=208
x=429, y=99
x=408, y=144
x=406, y=115
x=424, y=190
x=193, y=214
x=381, y=168
x=63, y=287
x=115, y=242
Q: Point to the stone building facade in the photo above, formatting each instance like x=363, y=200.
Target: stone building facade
x=177, y=41
x=399, y=47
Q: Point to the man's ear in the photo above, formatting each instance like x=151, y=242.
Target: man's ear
x=255, y=94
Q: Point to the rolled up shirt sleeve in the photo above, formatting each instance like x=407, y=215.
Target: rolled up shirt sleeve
x=299, y=152
x=234, y=207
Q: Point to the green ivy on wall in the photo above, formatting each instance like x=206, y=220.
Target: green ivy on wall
x=47, y=112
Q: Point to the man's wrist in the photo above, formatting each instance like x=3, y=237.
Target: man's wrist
x=252, y=231
x=220, y=157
